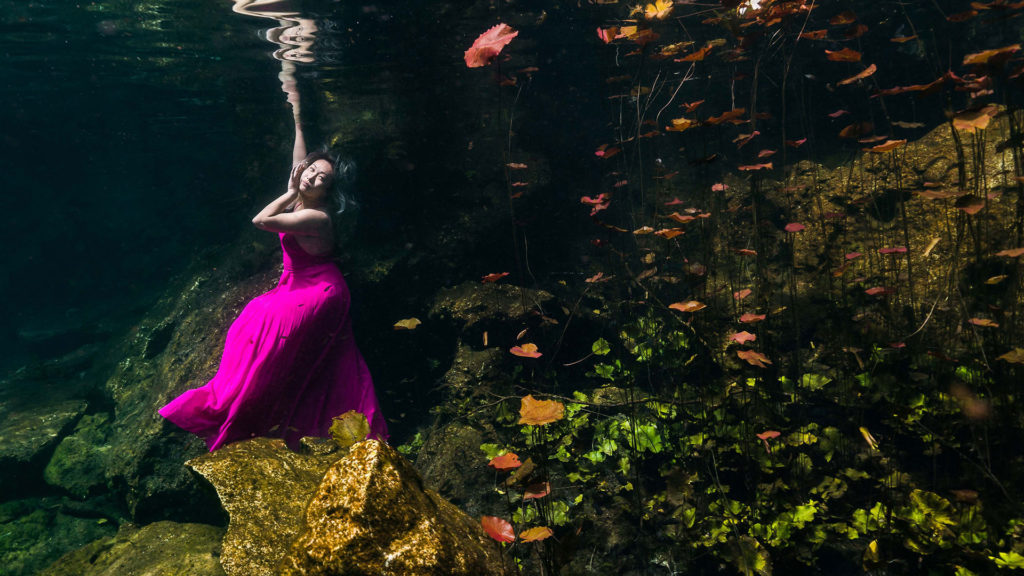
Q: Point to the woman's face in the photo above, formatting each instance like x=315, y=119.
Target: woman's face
x=316, y=178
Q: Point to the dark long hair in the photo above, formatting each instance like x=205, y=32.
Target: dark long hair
x=340, y=197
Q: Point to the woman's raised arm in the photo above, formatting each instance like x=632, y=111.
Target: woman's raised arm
x=290, y=87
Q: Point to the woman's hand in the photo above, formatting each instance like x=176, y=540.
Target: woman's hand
x=296, y=176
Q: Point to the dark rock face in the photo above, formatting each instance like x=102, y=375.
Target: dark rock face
x=36, y=531
x=158, y=549
x=77, y=463
x=27, y=438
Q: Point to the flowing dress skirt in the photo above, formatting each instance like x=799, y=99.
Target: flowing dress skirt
x=290, y=363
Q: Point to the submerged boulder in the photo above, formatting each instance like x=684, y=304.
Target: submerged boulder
x=158, y=549
x=28, y=437
x=77, y=463
x=265, y=488
x=372, y=515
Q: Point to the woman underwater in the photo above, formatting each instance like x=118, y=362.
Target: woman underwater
x=290, y=362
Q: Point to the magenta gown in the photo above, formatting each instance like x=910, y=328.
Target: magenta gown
x=290, y=363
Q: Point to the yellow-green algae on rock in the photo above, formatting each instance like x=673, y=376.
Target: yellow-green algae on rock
x=371, y=515
x=264, y=487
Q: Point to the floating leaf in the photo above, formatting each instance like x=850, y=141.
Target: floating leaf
x=996, y=279
x=493, y=277
x=608, y=34
x=754, y=358
x=528, y=350
x=879, y=291
x=844, y=17
x=859, y=76
x=766, y=153
x=844, y=55
x=689, y=306
x=506, y=461
x=538, y=490
x=893, y=250
x=516, y=166
x=407, y=324
x=993, y=56
x=669, y=233
x=837, y=113
x=769, y=434
x=742, y=337
x=488, y=45
x=730, y=116
x=794, y=227
x=852, y=255
x=984, y=322
x=536, y=534
x=659, y=10
x=887, y=146
x=680, y=124
x=752, y=167
x=1011, y=253
x=872, y=443
x=498, y=528
x=970, y=204
x=741, y=294
x=750, y=318
x=1015, y=356
x=814, y=35
x=719, y=187
x=539, y=412
x=972, y=120
x=795, y=143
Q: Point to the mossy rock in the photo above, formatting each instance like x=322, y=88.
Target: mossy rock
x=78, y=462
x=158, y=549
x=35, y=533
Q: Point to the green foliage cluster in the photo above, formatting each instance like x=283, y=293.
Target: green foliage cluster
x=763, y=474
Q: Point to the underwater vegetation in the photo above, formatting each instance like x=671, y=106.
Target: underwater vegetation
x=794, y=343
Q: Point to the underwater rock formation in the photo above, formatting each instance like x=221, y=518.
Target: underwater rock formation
x=28, y=436
x=158, y=549
x=265, y=488
x=371, y=515
x=77, y=463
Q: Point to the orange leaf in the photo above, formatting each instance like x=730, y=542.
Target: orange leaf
x=1011, y=253
x=749, y=318
x=863, y=74
x=984, y=322
x=539, y=412
x=765, y=166
x=844, y=55
x=741, y=294
x=690, y=306
x=754, y=358
x=535, y=534
x=493, y=277
x=528, y=350
x=669, y=233
x=506, y=461
x=538, y=490
x=990, y=56
x=887, y=146
x=488, y=45
x=498, y=528
x=974, y=119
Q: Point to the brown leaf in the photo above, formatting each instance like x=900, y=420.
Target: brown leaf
x=539, y=412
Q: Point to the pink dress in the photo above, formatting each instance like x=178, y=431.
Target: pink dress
x=290, y=363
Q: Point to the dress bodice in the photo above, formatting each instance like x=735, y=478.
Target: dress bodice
x=296, y=258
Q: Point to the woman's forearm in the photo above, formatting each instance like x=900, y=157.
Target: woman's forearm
x=299, y=149
x=276, y=207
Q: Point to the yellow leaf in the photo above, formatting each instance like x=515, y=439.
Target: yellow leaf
x=407, y=324
x=660, y=9
x=869, y=438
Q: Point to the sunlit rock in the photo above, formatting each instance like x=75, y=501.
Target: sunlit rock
x=264, y=487
x=158, y=549
x=371, y=515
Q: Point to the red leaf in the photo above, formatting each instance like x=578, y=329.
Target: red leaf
x=506, y=461
x=498, y=528
x=493, y=277
x=749, y=318
x=488, y=45
x=765, y=166
x=984, y=322
x=837, y=113
x=608, y=34
x=879, y=291
x=844, y=55
x=887, y=146
x=769, y=435
x=741, y=294
x=795, y=143
x=794, y=227
x=538, y=490
x=765, y=153
x=853, y=255
x=893, y=250
x=527, y=350
x=719, y=187
x=742, y=337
